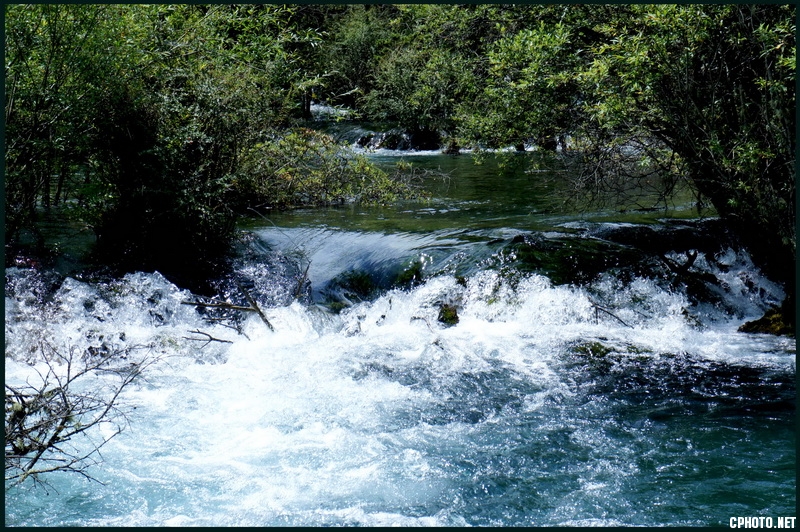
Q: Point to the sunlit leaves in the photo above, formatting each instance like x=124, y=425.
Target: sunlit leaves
x=303, y=167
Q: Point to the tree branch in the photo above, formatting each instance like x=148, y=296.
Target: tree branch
x=599, y=308
x=41, y=418
x=209, y=338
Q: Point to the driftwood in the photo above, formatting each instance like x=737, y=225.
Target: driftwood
x=44, y=419
x=208, y=338
x=230, y=306
x=221, y=321
x=415, y=318
x=227, y=306
x=254, y=306
x=302, y=281
x=599, y=308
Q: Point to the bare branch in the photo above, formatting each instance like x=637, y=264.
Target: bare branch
x=43, y=419
x=255, y=306
x=227, y=306
x=599, y=308
x=230, y=306
x=208, y=339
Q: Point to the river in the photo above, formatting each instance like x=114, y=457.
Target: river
x=584, y=383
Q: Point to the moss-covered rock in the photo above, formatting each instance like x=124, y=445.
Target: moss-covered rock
x=448, y=315
x=571, y=260
x=592, y=349
x=774, y=321
x=348, y=288
x=411, y=275
x=358, y=282
x=337, y=306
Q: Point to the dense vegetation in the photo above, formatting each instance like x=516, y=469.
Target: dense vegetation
x=155, y=124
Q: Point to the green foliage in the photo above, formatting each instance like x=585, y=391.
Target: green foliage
x=422, y=68
x=529, y=94
x=148, y=145
x=167, y=144
x=418, y=89
x=715, y=84
x=56, y=67
x=196, y=110
x=358, y=39
x=652, y=94
x=306, y=167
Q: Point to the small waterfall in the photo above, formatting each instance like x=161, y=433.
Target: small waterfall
x=379, y=138
x=545, y=404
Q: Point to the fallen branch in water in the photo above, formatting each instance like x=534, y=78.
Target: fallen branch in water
x=255, y=306
x=227, y=306
x=51, y=423
x=208, y=338
x=415, y=318
x=230, y=306
x=599, y=308
x=302, y=281
x=221, y=321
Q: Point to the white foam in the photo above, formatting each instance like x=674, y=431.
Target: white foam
x=331, y=416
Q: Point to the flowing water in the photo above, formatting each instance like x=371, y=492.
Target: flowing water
x=584, y=383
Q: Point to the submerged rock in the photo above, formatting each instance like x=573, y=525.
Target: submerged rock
x=567, y=260
x=448, y=315
x=592, y=349
x=348, y=289
x=777, y=320
x=412, y=275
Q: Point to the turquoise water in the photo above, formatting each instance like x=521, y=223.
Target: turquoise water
x=362, y=408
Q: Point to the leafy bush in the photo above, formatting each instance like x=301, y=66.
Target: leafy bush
x=303, y=167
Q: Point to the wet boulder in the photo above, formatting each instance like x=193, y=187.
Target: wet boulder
x=777, y=320
x=448, y=315
x=572, y=260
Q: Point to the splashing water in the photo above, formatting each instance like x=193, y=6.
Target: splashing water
x=536, y=408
